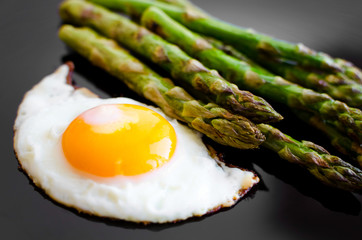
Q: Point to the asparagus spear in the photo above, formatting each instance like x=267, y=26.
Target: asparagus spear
x=177, y=103
x=337, y=85
x=245, y=40
x=190, y=72
x=353, y=72
x=346, y=119
x=339, y=141
x=210, y=119
x=185, y=4
x=329, y=169
x=230, y=50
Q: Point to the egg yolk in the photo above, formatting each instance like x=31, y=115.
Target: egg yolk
x=118, y=139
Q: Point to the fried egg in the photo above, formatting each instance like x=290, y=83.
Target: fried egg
x=119, y=158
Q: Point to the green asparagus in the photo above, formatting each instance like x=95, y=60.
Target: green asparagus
x=230, y=50
x=246, y=40
x=342, y=143
x=336, y=85
x=185, y=4
x=341, y=86
x=354, y=73
x=349, y=69
x=210, y=119
x=177, y=103
x=346, y=119
x=189, y=72
x=329, y=169
x=181, y=3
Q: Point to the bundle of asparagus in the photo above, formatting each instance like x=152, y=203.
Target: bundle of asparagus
x=246, y=40
x=344, y=85
x=237, y=71
x=341, y=142
x=189, y=72
x=176, y=102
x=347, y=120
x=106, y=54
x=337, y=85
x=209, y=119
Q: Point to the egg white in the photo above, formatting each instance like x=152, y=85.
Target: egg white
x=191, y=184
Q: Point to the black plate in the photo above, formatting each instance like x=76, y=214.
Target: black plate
x=288, y=204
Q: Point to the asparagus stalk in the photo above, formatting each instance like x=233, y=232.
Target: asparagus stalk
x=337, y=85
x=189, y=72
x=339, y=141
x=351, y=71
x=185, y=4
x=245, y=40
x=210, y=119
x=342, y=143
x=354, y=73
x=346, y=119
x=230, y=50
x=177, y=103
x=329, y=169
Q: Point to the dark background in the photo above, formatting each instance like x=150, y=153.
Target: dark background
x=288, y=204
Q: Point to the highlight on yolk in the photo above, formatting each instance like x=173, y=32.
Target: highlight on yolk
x=118, y=139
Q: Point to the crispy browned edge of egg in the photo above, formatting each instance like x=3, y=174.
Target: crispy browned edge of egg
x=213, y=153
